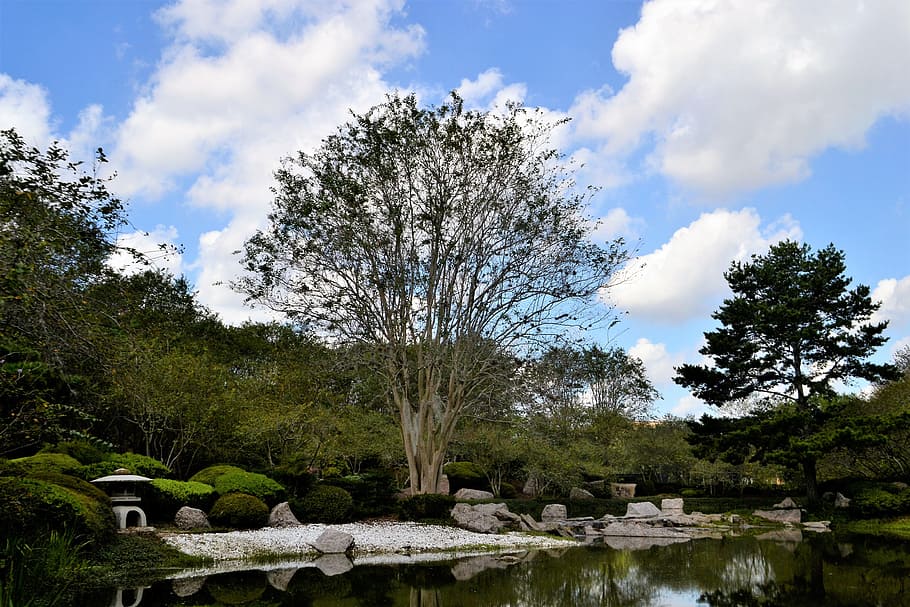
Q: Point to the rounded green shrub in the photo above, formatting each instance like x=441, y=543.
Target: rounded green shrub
x=251, y=483
x=165, y=497
x=239, y=510
x=84, y=451
x=210, y=475
x=465, y=475
x=30, y=507
x=48, y=462
x=880, y=500
x=430, y=506
x=324, y=504
x=135, y=463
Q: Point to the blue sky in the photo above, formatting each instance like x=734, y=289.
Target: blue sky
x=713, y=127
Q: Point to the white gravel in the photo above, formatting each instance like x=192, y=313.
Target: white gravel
x=369, y=538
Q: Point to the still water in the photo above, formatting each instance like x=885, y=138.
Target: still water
x=776, y=571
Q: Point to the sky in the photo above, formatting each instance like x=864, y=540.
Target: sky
x=713, y=128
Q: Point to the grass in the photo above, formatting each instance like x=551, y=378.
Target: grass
x=899, y=527
x=137, y=558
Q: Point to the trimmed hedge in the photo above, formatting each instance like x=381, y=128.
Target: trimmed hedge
x=83, y=450
x=135, y=463
x=166, y=497
x=240, y=510
x=373, y=493
x=48, y=462
x=324, y=504
x=465, y=475
x=210, y=475
x=250, y=483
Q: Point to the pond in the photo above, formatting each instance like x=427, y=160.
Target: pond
x=779, y=570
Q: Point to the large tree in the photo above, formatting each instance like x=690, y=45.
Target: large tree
x=442, y=237
x=791, y=330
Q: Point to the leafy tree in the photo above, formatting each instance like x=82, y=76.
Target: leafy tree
x=618, y=382
x=442, y=237
x=792, y=328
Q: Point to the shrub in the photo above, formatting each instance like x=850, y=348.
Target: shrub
x=84, y=451
x=9, y=468
x=240, y=510
x=251, y=483
x=465, y=475
x=880, y=500
x=295, y=476
x=210, y=475
x=324, y=504
x=166, y=497
x=430, y=506
x=373, y=493
x=48, y=462
x=135, y=463
x=32, y=508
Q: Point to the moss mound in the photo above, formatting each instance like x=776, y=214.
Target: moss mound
x=210, y=475
x=240, y=510
x=250, y=483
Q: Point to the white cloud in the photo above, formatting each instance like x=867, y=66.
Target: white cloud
x=617, y=223
x=659, y=363
x=894, y=295
x=689, y=406
x=684, y=279
x=159, y=247
x=736, y=95
x=25, y=106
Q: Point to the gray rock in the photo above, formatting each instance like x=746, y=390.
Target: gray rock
x=622, y=490
x=279, y=579
x=641, y=510
x=281, y=516
x=784, y=536
x=787, y=503
x=577, y=493
x=841, y=502
x=554, y=512
x=473, y=494
x=465, y=569
x=641, y=543
x=789, y=516
x=530, y=523
x=817, y=526
x=531, y=487
x=184, y=587
x=332, y=541
x=191, y=518
x=444, y=488
x=469, y=517
x=333, y=564
x=672, y=506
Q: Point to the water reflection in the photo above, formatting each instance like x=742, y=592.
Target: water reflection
x=774, y=571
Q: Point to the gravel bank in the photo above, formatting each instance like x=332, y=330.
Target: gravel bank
x=369, y=538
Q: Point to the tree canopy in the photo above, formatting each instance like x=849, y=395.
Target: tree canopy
x=440, y=235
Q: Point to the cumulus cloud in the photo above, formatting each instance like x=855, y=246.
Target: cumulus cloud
x=894, y=295
x=739, y=95
x=658, y=362
x=684, y=279
x=159, y=247
x=26, y=106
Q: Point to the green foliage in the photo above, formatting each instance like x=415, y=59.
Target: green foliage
x=873, y=500
x=465, y=475
x=87, y=452
x=129, y=559
x=49, y=462
x=324, y=504
x=210, y=474
x=373, y=493
x=295, y=476
x=31, y=508
x=426, y=507
x=243, y=588
x=240, y=511
x=251, y=483
x=135, y=463
x=165, y=497
x=37, y=572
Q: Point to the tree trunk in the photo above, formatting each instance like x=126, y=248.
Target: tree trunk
x=811, y=475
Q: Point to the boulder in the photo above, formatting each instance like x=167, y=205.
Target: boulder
x=841, y=502
x=787, y=503
x=469, y=517
x=554, y=512
x=577, y=493
x=641, y=510
x=622, y=490
x=473, y=494
x=789, y=515
x=332, y=541
x=281, y=516
x=333, y=564
x=191, y=518
x=672, y=506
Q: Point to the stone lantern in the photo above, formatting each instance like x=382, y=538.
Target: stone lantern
x=122, y=487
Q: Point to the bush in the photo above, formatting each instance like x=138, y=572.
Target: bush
x=82, y=450
x=31, y=508
x=465, y=475
x=166, y=497
x=373, y=493
x=324, y=504
x=135, y=463
x=295, y=476
x=210, y=475
x=250, y=483
x=430, y=506
x=240, y=510
x=48, y=462
x=880, y=500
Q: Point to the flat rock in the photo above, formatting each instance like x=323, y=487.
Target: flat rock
x=641, y=510
x=190, y=518
x=332, y=541
x=641, y=543
x=554, y=512
x=790, y=515
x=577, y=493
x=787, y=503
x=473, y=494
x=471, y=518
x=672, y=506
x=281, y=516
